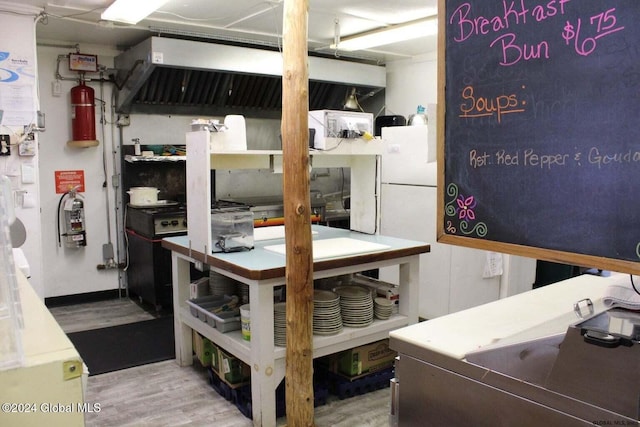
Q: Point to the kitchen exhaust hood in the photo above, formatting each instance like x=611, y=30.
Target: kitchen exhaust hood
x=175, y=76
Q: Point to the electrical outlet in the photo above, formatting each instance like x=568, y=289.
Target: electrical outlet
x=5, y=148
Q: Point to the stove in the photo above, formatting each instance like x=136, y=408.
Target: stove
x=149, y=267
x=158, y=221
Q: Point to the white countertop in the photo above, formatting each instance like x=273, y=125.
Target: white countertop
x=331, y=244
x=534, y=314
x=51, y=372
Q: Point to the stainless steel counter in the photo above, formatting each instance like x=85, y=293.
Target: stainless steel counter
x=517, y=361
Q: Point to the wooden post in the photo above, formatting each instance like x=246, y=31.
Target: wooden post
x=297, y=210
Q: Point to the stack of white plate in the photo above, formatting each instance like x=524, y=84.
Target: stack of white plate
x=327, y=318
x=280, y=324
x=382, y=308
x=356, y=305
x=220, y=285
x=243, y=292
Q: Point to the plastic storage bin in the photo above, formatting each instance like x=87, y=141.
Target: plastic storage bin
x=227, y=320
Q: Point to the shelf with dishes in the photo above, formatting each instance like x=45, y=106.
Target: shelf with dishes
x=263, y=271
x=323, y=345
x=347, y=310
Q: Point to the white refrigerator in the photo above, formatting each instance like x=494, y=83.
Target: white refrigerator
x=452, y=278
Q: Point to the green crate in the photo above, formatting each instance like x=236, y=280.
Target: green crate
x=234, y=370
x=215, y=357
x=205, y=350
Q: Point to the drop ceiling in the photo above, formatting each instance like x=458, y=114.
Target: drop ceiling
x=255, y=22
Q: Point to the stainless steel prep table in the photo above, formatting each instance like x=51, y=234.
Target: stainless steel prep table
x=263, y=270
x=494, y=364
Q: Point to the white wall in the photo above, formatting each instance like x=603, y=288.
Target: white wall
x=18, y=41
x=411, y=82
x=74, y=270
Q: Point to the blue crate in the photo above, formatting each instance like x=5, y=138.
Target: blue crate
x=214, y=381
x=241, y=396
x=220, y=386
x=344, y=387
x=320, y=394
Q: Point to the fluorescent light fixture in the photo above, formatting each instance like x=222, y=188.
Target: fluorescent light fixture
x=131, y=11
x=387, y=35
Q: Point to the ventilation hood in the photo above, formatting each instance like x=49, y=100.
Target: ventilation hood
x=175, y=76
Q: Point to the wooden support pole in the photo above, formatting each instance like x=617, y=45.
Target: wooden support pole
x=297, y=211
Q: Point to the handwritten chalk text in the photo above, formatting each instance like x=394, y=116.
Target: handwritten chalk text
x=477, y=160
x=531, y=158
x=605, y=159
x=481, y=106
x=512, y=52
x=605, y=23
x=467, y=25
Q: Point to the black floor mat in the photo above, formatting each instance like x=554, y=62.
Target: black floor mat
x=125, y=346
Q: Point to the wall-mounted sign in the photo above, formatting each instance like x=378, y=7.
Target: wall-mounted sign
x=68, y=180
x=83, y=62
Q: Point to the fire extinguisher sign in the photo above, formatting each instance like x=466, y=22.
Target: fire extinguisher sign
x=68, y=180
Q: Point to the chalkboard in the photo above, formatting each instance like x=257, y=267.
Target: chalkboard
x=539, y=129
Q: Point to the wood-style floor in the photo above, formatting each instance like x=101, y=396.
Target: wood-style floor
x=164, y=394
x=101, y=314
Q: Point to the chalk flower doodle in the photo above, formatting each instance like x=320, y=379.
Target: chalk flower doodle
x=462, y=209
x=465, y=207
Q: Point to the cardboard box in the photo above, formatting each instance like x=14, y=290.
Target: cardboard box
x=366, y=359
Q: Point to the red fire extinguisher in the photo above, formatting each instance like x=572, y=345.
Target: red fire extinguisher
x=83, y=116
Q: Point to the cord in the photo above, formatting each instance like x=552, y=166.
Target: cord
x=126, y=240
x=18, y=137
x=633, y=285
x=58, y=217
x=314, y=118
x=342, y=189
x=330, y=149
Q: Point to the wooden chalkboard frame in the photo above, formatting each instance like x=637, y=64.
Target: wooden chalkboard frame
x=542, y=252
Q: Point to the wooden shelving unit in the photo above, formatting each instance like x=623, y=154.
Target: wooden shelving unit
x=262, y=270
